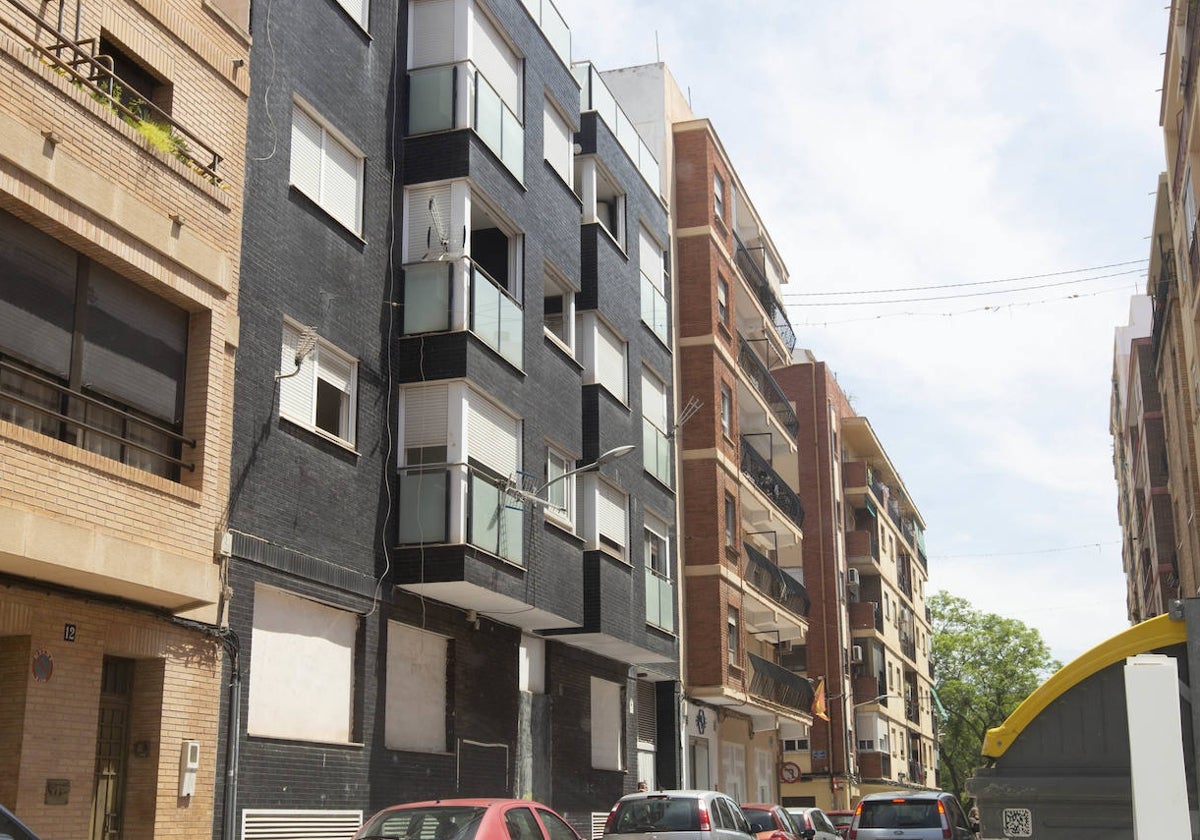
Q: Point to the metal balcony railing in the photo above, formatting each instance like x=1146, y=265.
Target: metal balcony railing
x=757, y=278
x=758, y=374
x=775, y=583
x=69, y=58
x=760, y=471
x=34, y=401
x=780, y=686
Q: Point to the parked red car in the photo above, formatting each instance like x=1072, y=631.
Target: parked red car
x=841, y=821
x=770, y=822
x=468, y=819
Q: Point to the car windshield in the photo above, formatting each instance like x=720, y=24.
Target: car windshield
x=902, y=814
x=760, y=819
x=841, y=819
x=436, y=822
x=656, y=814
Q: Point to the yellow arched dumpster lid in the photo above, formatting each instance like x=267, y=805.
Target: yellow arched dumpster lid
x=1157, y=632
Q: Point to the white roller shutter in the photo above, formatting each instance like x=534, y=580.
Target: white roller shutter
x=341, y=183
x=650, y=256
x=492, y=435
x=496, y=60
x=432, y=25
x=428, y=221
x=557, y=140
x=654, y=400
x=357, y=9
x=611, y=518
x=426, y=416
x=297, y=394
x=306, y=153
x=610, y=361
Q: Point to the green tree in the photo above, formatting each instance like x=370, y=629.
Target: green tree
x=984, y=666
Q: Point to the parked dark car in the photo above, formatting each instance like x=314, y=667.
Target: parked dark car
x=677, y=815
x=916, y=815
x=841, y=821
x=468, y=819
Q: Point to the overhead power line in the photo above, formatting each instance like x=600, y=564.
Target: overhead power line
x=1025, y=553
x=968, y=294
x=967, y=285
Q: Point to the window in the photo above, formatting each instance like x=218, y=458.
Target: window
x=656, y=449
x=733, y=774
x=65, y=319
x=726, y=410
x=558, y=309
x=730, y=522
x=660, y=599
x=357, y=9
x=559, y=143
x=654, y=284
x=603, y=199
x=606, y=725
x=138, y=84
x=731, y=636
x=723, y=301
x=656, y=546
x=301, y=669
x=318, y=384
x=795, y=745
x=1189, y=205
x=560, y=491
x=612, y=519
x=498, y=83
x=520, y=824
x=415, y=716
x=718, y=195
x=604, y=356
x=326, y=168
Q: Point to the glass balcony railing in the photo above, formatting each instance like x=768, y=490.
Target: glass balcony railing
x=656, y=452
x=660, y=601
x=489, y=518
x=758, y=374
x=654, y=310
x=433, y=105
x=547, y=16
x=594, y=95
x=428, y=292
x=496, y=317
x=759, y=470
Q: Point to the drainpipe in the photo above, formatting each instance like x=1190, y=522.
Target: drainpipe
x=229, y=640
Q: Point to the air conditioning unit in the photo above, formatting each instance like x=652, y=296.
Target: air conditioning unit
x=852, y=577
x=856, y=653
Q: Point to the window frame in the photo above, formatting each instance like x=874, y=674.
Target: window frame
x=730, y=522
x=718, y=195
x=553, y=117
x=610, y=546
x=722, y=301
x=362, y=21
x=329, y=135
x=553, y=278
x=396, y=709
x=310, y=369
x=733, y=642
x=564, y=516
x=726, y=410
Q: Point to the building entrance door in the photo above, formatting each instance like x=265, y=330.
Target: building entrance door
x=112, y=738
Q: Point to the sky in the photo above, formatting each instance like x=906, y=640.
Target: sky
x=901, y=146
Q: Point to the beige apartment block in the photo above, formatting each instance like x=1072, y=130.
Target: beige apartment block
x=122, y=135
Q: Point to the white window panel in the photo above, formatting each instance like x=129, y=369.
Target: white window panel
x=426, y=417
x=357, y=9
x=650, y=255
x=611, y=370
x=654, y=400
x=733, y=770
x=301, y=668
x=558, y=143
x=493, y=435
x=657, y=554
x=415, y=715
x=606, y=725
x=431, y=33
x=560, y=491
x=330, y=410
x=495, y=59
x=612, y=518
x=326, y=168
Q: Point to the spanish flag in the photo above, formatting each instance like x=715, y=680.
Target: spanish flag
x=818, y=703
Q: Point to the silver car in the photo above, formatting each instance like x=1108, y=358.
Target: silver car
x=677, y=815
x=911, y=815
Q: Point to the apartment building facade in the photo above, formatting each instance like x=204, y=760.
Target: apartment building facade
x=122, y=127
x=869, y=632
x=452, y=501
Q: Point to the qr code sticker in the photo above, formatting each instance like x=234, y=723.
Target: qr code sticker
x=1018, y=822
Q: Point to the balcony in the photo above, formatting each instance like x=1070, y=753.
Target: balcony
x=759, y=470
x=874, y=765
x=866, y=615
x=547, y=16
x=779, y=686
x=432, y=290
x=760, y=376
x=34, y=401
x=458, y=504
x=756, y=277
x=594, y=95
x=862, y=545
x=94, y=76
x=654, y=310
x=447, y=97
x=775, y=583
x=660, y=601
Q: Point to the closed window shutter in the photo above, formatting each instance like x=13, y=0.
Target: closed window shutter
x=556, y=138
x=432, y=26
x=297, y=394
x=357, y=9
x=37, y=296
x=650, y=255
x=610, y=361
x=426, y=417
x=428, y=222
x=341, y=183
x=610, y=513
x=647, y=718
x=496, y=60
x=492, y=435
x=135, y=345
x=306, y=153
x=654, y=401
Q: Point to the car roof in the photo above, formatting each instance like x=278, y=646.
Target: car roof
x=766, y=806
x=906, y=794
x=467, y=803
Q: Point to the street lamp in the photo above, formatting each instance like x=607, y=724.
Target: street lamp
x=876, y=700
x=535, y=496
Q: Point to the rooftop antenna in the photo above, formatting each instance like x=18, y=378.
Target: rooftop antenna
x=441, y=250
x=305, y=345
x=686, y=413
